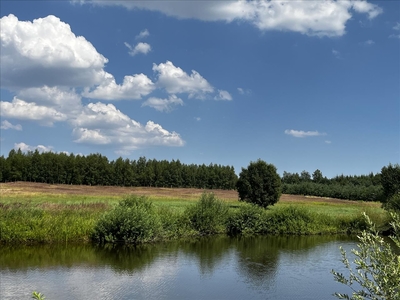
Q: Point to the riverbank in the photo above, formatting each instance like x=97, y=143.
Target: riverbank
x=36, y=213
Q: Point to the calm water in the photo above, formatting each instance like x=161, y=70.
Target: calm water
x=210, y=268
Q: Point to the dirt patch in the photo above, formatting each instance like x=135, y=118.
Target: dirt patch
x=18, y=188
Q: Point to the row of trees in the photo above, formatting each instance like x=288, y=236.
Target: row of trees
x=362, y=187
x=96, y=169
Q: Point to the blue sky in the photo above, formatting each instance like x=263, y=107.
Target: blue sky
x=303, y=85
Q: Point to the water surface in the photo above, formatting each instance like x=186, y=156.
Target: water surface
x=209, y=268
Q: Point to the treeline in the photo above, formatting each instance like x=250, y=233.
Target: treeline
x=362, y=187
x=96, y=169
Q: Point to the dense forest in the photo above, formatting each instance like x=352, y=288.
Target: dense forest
x=361, y=187
x=96, y=169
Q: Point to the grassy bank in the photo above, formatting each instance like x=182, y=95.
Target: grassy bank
x=60, y=218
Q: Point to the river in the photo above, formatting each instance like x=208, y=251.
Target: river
x=262, y=267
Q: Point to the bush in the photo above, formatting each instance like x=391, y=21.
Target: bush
x=390, y=180
x=259, y=184
x=393, y=203
x=209, y=215
x=377, y=265
x=133, y=221
x=247, y=220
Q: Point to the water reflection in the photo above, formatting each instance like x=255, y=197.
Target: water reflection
x=214, y=268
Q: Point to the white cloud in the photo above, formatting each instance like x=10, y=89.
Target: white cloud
x=165, y=105
x=22, y=110
x=63, y=99
x=143, y=48
x=44, y=63
x=133, y=87
x=396, y=35
x=328, y=142
x=244, y=91
x=223, y=95
x=176, y=81
x=197, y=119
x=25, y=148
x=105, y=125
x=319, y=18
x=143, y=34
x=368, y=43
x=362, y=6
x=302, y=134
x=7, y=125
x=46, y=52
x=336, y=53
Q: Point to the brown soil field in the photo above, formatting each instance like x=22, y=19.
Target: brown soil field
x=15, y=188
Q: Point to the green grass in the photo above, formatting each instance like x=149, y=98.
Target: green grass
x=53, y=218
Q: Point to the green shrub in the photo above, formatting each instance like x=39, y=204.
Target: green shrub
x=134, y=220
x=393, y=203
x=208, y=216
x=375, y=271
x=248, y=219
x=174, y=224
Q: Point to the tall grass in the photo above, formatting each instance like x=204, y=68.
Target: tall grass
x=24, y=224
x=250, y=219
x=136, y=220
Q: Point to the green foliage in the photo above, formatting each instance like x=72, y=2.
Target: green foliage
x=208, y=216
x=251, y=219
x=346, y=191
x=377, y=265
x=393, y=203
x=259, y=184
x=390, y=179
x=21, y=223
x=38, y=296
x=96, y=169
x=248, y=219
x=133, y=221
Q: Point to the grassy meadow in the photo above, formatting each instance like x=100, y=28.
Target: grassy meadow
x=40, y=213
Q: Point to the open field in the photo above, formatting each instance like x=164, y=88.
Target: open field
x=61, y=194
x=37, y=212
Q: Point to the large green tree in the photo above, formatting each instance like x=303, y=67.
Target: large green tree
x=259, y=184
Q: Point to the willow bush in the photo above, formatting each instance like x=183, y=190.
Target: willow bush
x=208, y=215
x=134, y=220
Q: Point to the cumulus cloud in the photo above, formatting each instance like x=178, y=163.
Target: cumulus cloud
x=106, y=125
x=143, y=48
x=365, y=7
x=223, y=95
x=7, y=125
x=302, y=134
x=175, y=81
x=46, y=52
x=143, y=34
x=64, y=100
x=22, y=110
x=315, y=18
x=133, y=87
x=164, y=105
x=25, y=148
